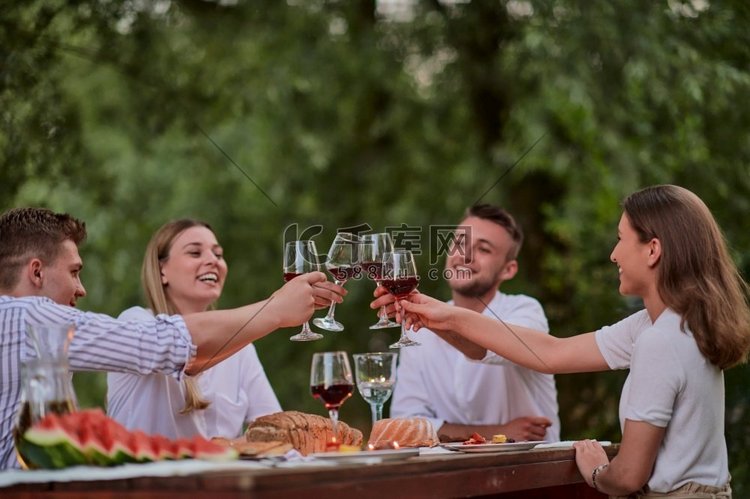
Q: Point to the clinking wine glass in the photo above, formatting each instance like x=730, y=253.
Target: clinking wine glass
x=343, y=264
x=376, y=375
x=400, y=278
x=301, y=257
x=373, y=248
x=331, y=382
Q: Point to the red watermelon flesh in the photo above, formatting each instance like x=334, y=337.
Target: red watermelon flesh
x=182, y=448
x=140, y=446
x=162, y=447
x=48, y=444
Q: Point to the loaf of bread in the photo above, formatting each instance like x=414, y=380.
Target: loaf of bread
x=307, y=433
x=406, y=432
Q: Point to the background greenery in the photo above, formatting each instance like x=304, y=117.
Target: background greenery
x=254, y=115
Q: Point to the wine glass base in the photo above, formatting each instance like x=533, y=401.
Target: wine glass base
x=328, y=324
x=404, y=342
x=306, y=336
x=386, y=324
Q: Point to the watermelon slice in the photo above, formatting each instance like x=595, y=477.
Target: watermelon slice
x=49, y=444
x=104, y=441
x=211, y=451
x=140, y=446
x=182, y=448
x=162, y=447
x=90, y=437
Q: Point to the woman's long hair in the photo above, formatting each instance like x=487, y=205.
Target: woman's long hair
x=157, y=252
x=696, y=276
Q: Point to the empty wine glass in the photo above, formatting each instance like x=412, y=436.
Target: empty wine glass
x=400, y=278
x=301, y=257
x=342, y=264
x=331, y=382
x=376, y=375
x=373, y=248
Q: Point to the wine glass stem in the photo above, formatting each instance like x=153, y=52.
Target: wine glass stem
x=334, y=415
x=403, y=331
x=332, y=308
x=383, y=314
x=306, y=328
x=377, y=412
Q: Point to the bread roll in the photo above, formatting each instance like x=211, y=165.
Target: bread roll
x=307, y=433
x=407, y=432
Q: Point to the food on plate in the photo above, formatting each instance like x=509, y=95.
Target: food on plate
x=475, y=439
x=499, y=439
x=91, y=437
x=307, y=433
x=402, y=432
x=349, y=448
x=255, y=449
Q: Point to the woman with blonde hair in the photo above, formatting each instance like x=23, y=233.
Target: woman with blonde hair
x=183, y=272
x=696, y=323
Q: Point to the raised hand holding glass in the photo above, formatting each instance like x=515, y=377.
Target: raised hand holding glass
x=342, y=264
x=400, y=278
x=373, y=248
x=301, y=257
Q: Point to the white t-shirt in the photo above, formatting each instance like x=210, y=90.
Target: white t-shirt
x=237, y=388
x=672, y=385
x=438, y=382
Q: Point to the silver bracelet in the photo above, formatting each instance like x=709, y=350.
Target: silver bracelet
x=596, y=472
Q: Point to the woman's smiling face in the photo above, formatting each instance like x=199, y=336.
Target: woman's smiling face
x=632, y=259
x=193, y=275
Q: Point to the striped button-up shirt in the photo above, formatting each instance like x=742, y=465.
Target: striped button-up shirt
x=100, y=343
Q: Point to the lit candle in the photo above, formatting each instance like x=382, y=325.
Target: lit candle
x=395, y=445
x=370, y=447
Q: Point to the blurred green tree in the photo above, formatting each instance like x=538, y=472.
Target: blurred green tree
x=258, y=115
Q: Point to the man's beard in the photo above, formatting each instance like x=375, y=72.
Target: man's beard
x=474, y=289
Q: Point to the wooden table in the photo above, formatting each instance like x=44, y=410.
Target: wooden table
x=531, y=474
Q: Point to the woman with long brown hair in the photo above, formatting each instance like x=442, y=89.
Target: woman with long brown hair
x=696, y=323
x=183, y=272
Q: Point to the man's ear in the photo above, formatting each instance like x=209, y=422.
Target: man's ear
x=509, y=271
x=35, y=272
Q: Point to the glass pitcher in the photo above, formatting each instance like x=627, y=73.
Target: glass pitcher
x=46, y=385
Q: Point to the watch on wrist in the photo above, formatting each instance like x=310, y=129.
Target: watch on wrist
x=596, y=472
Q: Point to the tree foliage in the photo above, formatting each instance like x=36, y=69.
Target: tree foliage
x=258, y=115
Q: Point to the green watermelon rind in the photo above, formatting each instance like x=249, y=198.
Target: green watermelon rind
x=50, y=449
x=206, y=450
x=226, y=455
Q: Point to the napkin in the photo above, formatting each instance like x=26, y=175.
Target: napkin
x=92, y=473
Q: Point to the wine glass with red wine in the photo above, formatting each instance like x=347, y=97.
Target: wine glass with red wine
x=343, y=264
x=374, y=246
x=331, y=382
x=400, y=278
x=301, y=257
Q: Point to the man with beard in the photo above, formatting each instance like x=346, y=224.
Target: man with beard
x=492, y=396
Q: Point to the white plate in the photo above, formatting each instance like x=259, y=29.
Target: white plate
x=383, y=455
x=506, y=447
